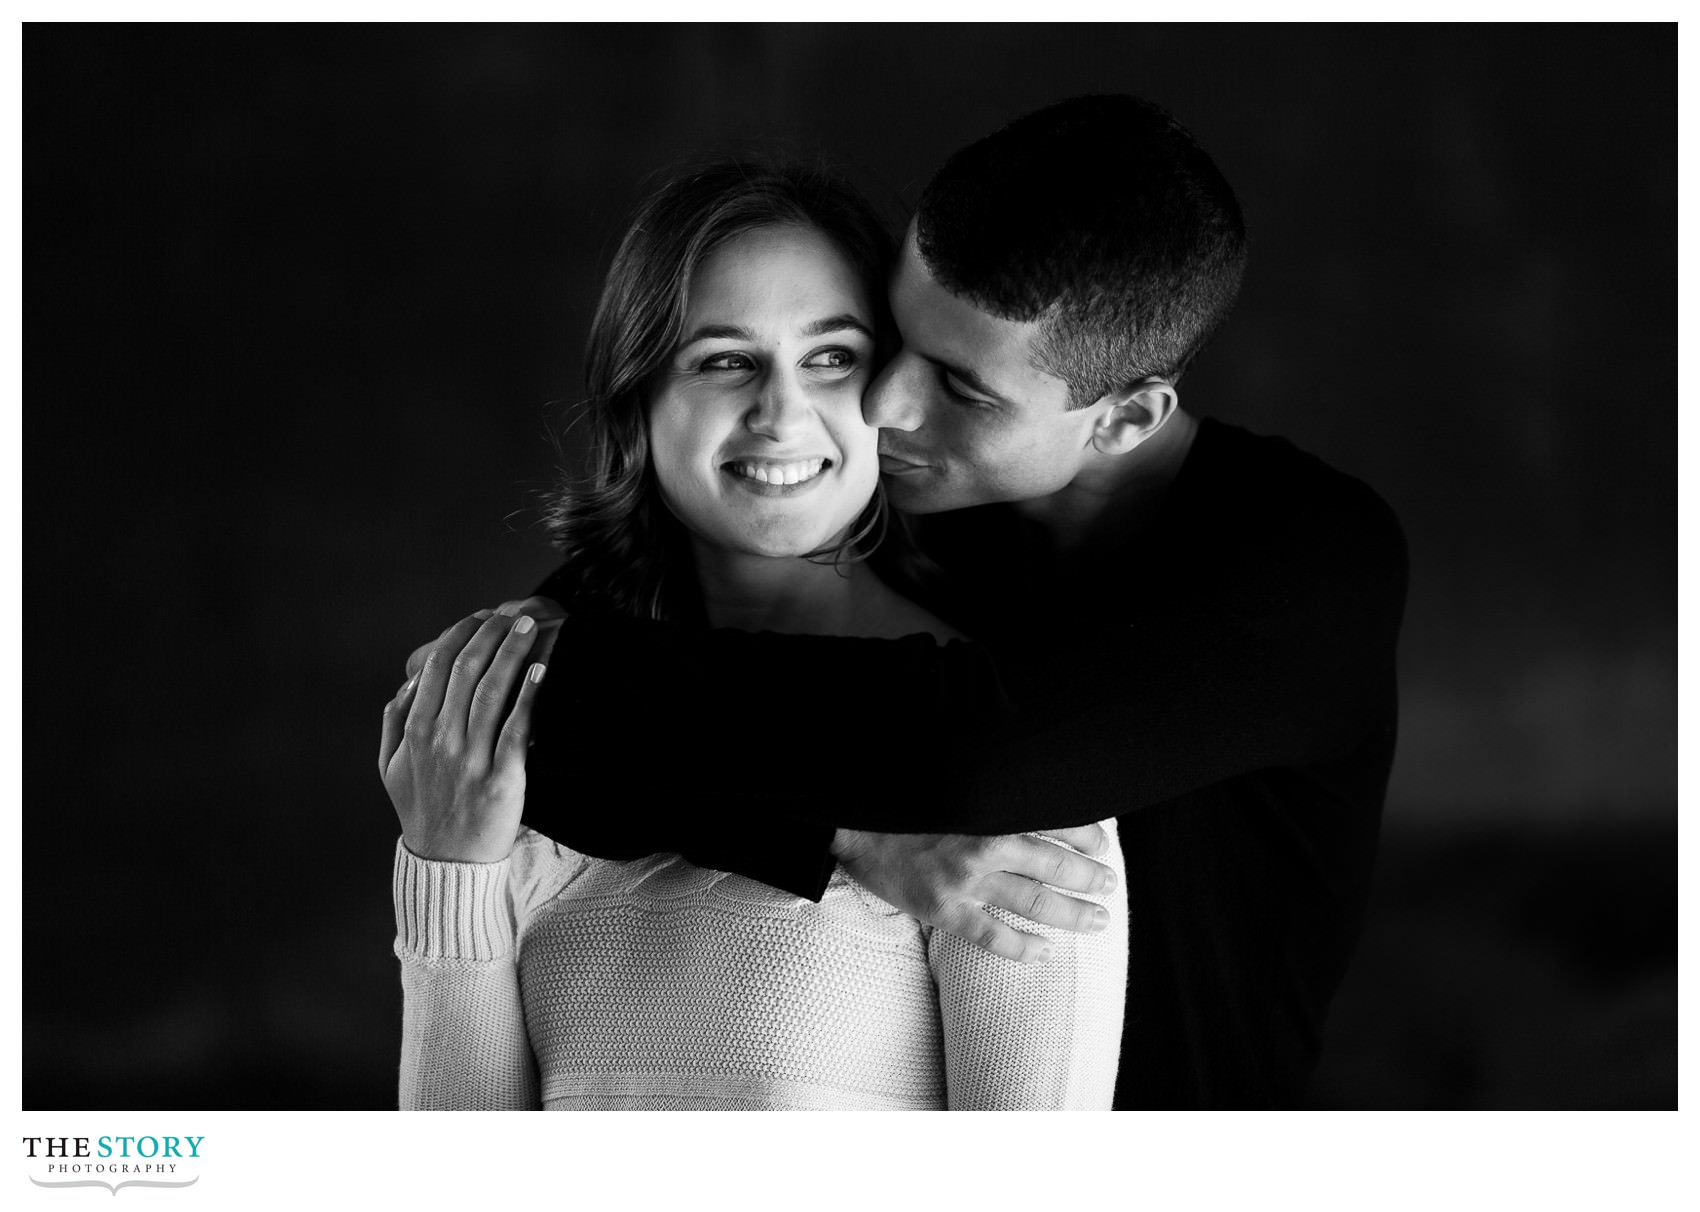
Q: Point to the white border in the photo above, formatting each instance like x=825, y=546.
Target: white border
x=1316, y=1161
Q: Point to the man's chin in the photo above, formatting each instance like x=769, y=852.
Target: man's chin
x=914, y=495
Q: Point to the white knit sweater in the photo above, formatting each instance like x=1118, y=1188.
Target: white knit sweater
x=557, y=980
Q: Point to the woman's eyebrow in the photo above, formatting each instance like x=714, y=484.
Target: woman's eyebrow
x=732, y=332
x=836, y=323
x=712, y=332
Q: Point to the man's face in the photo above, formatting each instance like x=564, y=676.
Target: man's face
x=965, y=417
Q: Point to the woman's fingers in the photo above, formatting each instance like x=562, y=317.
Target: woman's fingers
x=433, y=677
x=490, y=698
x=516, y=733
x=395, y=724
x=539, y=608
x=544, y=610
x=466, y=671
x=1035, y=902
x=1056, y=865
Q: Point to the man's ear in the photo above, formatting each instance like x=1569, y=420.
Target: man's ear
x=1133, y=414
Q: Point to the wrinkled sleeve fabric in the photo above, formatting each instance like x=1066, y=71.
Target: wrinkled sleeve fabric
x=1035, y=1037
x=463, y=1042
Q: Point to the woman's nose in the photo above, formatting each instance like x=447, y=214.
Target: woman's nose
x=781, y=411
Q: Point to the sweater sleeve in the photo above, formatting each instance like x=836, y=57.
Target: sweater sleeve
x=463, y=1036
x=1035, y=1037
x=1277, y=655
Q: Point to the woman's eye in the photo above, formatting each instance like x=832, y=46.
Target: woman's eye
x=727, y=361
x=833, y=359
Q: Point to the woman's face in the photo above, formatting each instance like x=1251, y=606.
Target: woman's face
x=755, y=422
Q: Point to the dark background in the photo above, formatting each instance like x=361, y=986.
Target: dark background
x=298, y=299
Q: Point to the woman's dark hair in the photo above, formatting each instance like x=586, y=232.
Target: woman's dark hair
x=623, y=549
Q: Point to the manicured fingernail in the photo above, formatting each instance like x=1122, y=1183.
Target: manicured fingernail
x=536, y=674
x=525, y=624
x=483, y=614
x=508, y=608
x=1100, y=918
x=1044, y=954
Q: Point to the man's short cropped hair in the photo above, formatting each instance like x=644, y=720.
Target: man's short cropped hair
x=1101, y=218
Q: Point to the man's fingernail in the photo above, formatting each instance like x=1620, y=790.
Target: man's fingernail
x=1100, y=918
x=1044, y=954
x=1108, y=882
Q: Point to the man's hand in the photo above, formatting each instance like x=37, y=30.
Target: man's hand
x=946, y=880
x=547, y=612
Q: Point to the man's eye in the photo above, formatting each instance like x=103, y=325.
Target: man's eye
x=955, y=389
x=833, y=359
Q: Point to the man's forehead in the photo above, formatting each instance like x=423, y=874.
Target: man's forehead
x=946, y=328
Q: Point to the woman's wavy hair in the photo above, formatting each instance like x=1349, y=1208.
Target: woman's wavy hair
x=623, y=550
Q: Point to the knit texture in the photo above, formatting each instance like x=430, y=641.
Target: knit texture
x=659, y=985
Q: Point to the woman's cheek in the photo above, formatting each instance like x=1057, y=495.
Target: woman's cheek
x=672, y=444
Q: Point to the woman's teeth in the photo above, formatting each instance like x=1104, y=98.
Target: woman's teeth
x=780, y=473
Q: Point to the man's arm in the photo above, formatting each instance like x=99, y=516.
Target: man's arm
x=1277, y=665
x=761, y=754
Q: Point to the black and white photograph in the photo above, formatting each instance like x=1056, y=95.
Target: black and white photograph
x=848, y=566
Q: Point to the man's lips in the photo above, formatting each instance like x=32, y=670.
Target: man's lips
x=896, y=465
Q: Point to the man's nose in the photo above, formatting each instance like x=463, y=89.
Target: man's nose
x=894, y=399
x=781, y=411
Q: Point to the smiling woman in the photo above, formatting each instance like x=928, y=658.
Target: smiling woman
x=756, y=421
x=734, y=483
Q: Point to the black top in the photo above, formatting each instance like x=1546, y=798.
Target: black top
x=1221, y=680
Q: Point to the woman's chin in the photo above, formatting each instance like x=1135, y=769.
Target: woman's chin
x=786, y=542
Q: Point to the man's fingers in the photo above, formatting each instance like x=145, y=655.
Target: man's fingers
x=1056, y=865
x=1032, y=900
x=1088, y=839
x=395, y=723
x=495, y=689
x=984, y=931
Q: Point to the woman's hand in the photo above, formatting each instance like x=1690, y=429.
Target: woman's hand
x=452, y=755
x=547, y=611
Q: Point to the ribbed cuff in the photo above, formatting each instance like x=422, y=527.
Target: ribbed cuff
x=451, y=910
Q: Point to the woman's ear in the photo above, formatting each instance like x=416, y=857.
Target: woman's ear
x=1133, y=414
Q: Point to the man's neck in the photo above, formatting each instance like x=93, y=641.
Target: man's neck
x=1120, y=490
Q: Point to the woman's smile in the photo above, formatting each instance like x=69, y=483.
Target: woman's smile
x=769, y=477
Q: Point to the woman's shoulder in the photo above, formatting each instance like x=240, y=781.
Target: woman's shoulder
x=538, y=869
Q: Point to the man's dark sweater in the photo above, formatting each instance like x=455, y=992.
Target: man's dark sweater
x=1220, y=679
